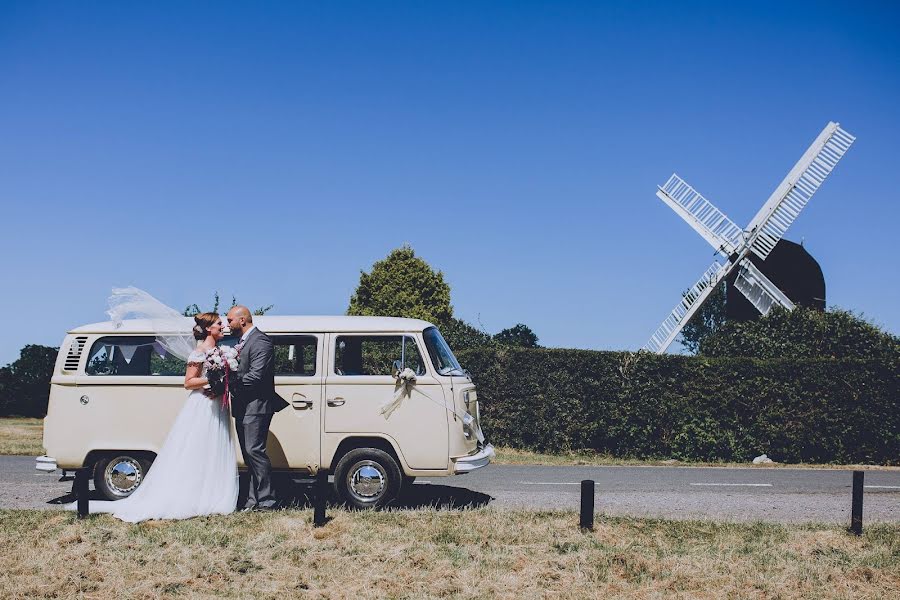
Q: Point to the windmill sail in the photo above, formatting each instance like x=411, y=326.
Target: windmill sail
x=764, y=232
x=691, y=302
x=707, y=220
x=758, y=289
x=792, y=195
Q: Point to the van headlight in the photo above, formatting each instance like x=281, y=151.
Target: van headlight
x=470, y=398
x=472, y=418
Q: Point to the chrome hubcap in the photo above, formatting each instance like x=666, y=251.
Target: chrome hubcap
x=123, y=475
x=367, y=480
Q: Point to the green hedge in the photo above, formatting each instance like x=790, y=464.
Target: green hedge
x=689, y=408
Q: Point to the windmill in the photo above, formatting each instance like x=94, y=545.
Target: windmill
x=760, y=237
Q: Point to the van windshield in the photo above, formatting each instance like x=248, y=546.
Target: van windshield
x=441, y=356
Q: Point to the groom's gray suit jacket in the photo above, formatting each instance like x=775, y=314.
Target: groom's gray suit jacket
x=253, y=392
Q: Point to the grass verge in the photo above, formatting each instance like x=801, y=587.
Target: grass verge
x=24, y=436
x=20, y=435
x=482, y=553
x=513, y=456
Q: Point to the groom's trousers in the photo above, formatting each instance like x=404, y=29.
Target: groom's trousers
x=252, y=432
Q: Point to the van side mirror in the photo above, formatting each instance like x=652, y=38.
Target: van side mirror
x=396, y=368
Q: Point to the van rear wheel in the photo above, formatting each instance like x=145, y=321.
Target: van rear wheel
x=118, y=474
x=367, y=478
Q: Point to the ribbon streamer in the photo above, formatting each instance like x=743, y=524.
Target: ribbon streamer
x=405, y=380
x=225, y=397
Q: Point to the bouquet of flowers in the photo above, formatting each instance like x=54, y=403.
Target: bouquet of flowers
x=219, y=362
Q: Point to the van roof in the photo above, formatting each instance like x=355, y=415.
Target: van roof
x=278, y=324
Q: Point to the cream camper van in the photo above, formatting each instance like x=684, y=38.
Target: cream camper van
x=115, y=393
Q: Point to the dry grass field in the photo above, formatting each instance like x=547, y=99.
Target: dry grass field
x=480, y=554
x=23, y=436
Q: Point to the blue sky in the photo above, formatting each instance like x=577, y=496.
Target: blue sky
x=272, y=150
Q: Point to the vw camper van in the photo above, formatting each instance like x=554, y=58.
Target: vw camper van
x=115, y=393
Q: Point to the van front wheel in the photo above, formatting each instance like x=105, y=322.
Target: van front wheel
x=367, y=478
x=118, y=474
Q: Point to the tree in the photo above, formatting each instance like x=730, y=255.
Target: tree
x=705, y=321
x=802, y=333
x=403, y=285
x=9, y=394
x=194, y=309
x=25, y=383
x=518, y=335
x=460, y=335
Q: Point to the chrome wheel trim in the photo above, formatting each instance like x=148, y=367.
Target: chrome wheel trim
x=366, y=481
x=123, y=475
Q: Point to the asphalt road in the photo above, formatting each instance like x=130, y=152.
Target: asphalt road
x=776, y=495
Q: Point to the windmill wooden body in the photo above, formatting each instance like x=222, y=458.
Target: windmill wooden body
x=759, y=237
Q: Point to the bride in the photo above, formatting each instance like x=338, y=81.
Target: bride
x=195, y=472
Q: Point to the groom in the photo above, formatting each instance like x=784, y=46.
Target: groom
x=253, y=402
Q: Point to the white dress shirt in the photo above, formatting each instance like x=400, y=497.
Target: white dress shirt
x=246, y=333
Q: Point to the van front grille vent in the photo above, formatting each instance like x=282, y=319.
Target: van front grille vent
x=74, y=354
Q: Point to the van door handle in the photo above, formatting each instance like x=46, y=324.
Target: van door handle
x=336, y=401
x=300, y=402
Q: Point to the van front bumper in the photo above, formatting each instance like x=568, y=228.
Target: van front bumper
x=46, y=464
x=467, y=464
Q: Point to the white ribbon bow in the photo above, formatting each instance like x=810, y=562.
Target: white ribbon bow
x=405, y=379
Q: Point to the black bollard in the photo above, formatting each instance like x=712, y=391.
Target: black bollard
x=587, y=504
x=856, y=508
x=81, y=491
x=321, y=495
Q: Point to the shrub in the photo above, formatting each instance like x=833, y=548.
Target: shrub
x=801, y=333
x=693, y=408
x=25, y=383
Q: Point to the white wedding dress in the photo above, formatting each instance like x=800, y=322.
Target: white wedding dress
x=195, y=472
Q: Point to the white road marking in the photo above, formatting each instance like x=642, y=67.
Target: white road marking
x=549, y=483
x=736, y=484
x=883, y=487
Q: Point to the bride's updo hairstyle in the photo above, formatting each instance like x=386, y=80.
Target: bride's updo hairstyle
x=204, y=322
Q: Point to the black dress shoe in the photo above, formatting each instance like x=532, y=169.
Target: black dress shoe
x=262, y=508
x=248, y=508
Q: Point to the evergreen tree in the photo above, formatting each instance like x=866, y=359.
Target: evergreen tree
x=403, y=285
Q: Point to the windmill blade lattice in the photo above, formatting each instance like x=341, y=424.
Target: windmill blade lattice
x=765, y=230
x=707, y=220
x=789, y=198
x=690, y=303
x=759, y=289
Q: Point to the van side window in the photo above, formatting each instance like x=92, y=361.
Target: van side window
x=375, y=354
x=295, y=355
x=133, y=355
